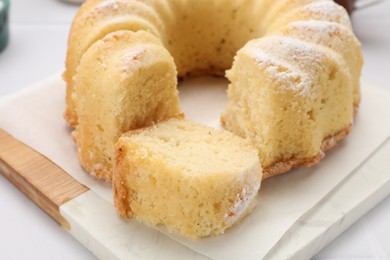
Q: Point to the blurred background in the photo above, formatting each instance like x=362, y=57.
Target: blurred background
x=36, y=49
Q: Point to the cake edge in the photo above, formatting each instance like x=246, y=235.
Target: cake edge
x=283, y=166
x=121, y=192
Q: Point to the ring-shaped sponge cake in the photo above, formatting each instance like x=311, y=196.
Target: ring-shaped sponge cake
x=294, y=68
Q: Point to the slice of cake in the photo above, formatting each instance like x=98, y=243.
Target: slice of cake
x=195, y=180
x=125, y=81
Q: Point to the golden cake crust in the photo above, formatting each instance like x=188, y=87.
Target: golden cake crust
x=121, y=192
x=284, y=166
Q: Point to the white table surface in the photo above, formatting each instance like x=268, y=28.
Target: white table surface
x=37, y=48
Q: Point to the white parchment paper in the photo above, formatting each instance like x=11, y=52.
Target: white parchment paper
x=34, y=116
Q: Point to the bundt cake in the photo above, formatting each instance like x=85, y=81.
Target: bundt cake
x=124, y=81
x=193, y=179
x=294, y=79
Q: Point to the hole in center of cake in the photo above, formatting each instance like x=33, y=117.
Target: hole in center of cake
x=203, y=99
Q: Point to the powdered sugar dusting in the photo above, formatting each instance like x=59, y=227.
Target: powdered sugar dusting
x=241, y=203
x=291, y=49
x=131, y=60
x=300, y=53
x=289, y=62
x=132, y=55
x=111, y=5
x=327, y=9
x=320, y=31
x=282, y=73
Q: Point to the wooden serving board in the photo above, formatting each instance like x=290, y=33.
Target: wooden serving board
x=46, y=184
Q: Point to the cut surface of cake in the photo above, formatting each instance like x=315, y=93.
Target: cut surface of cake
x=195, y=180
x=126, y=80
